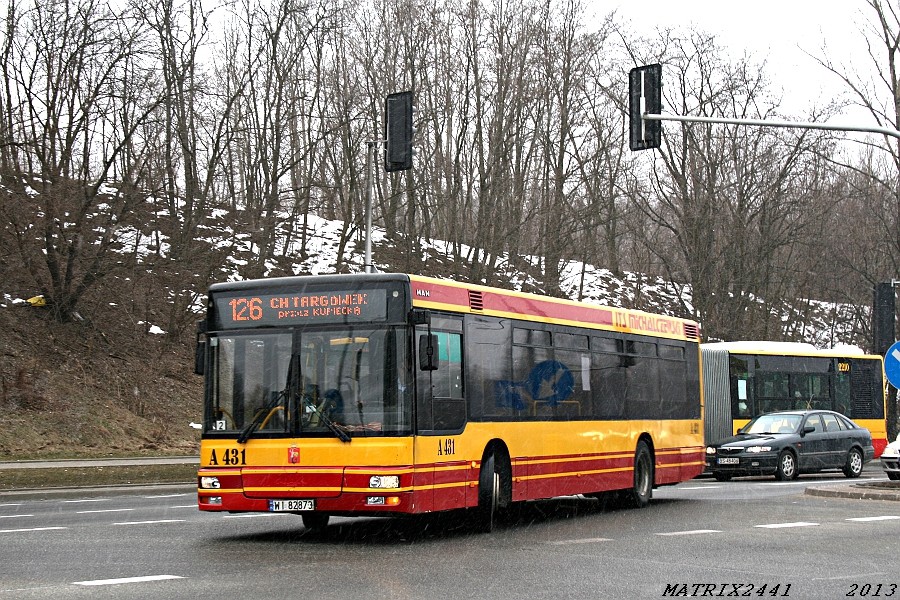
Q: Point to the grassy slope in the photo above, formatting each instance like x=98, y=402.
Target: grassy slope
x=75, y=390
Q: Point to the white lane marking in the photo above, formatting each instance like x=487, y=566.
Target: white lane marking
x=10, y=504
x=185, y=506
x=31, y=529
x=848, y=577
x=779, y=483
x=867, y=519
x=127, y=580
x=14, y=516
x=579, y=541
x=787, y=525
x=108, y=510
x=166, y=496
x=150, y=522
x=692, y=532
x=700, y=487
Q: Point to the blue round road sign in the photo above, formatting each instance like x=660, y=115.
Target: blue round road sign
x=892, y=364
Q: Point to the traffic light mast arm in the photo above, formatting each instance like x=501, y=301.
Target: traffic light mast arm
x=786, y=124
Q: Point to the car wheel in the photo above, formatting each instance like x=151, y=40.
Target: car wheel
x=893, y=476
x=787, y=466
x=722, y=476
x=854, y=465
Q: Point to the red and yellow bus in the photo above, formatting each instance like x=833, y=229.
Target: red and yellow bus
x=372, y=394
x=746, y=379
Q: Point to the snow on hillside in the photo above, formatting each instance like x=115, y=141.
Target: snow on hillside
x=827, y=325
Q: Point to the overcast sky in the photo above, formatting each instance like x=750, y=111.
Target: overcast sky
x=781, y=32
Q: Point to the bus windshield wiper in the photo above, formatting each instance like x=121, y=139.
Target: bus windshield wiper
x=261, y=414
x=342, y=435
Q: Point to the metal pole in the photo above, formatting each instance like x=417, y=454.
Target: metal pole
x=370, y=183
x=788, y=124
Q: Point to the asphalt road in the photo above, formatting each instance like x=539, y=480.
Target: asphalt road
x=700, y=539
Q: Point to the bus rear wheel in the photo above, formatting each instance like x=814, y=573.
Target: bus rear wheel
x=640, y=493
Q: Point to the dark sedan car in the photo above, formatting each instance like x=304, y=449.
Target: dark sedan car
x=788, y=443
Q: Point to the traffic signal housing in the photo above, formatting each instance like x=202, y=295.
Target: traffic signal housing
x=644, y=96
x=398, y=131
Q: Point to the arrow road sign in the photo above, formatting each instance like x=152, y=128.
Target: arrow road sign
x=892, y=364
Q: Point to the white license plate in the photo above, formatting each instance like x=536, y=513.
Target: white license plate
x=291, y=505
x=728, y=461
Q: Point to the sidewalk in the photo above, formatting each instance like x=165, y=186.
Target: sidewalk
x=98, y=491
x=871, y=490
x=98, y=462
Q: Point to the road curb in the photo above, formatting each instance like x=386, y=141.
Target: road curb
x=98, y=491
x=68, y=463
x=855, y=491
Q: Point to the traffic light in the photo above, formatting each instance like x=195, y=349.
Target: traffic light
x=883, y=320
x=398, y=131
x=644, y=96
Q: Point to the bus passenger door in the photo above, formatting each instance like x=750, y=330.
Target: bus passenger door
x=441, y=412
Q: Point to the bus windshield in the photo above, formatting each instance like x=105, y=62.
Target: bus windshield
x=309, y=383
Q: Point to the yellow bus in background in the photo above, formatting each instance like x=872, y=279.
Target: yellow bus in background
x=746, y=379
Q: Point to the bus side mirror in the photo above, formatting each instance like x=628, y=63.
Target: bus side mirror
x=200, y=358
x=200, y=350
x=428, y=360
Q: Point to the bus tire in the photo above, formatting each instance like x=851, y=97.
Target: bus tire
x=314, y=521
x=642, y=490
x=488, y=494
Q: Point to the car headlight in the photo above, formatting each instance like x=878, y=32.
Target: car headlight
x=710, y=450
x=758, y=449
x=891, y=451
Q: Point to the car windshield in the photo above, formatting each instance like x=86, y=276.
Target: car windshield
x=776, y=423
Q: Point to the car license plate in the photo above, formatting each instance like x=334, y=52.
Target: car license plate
x=291, y=505
x=728, y=461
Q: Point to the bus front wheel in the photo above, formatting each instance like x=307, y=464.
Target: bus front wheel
x=314, y=521
x=488, y=495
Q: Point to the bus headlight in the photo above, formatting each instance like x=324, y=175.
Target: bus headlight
x=383, y=482
x=209, y=483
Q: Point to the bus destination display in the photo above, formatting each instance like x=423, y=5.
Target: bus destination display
x=262, y=310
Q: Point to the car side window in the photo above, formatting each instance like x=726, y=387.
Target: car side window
x=816, y=422
x=831, y=423
x=847, y=423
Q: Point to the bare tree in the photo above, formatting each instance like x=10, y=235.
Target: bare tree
x=75, y=95
x=737, y=202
